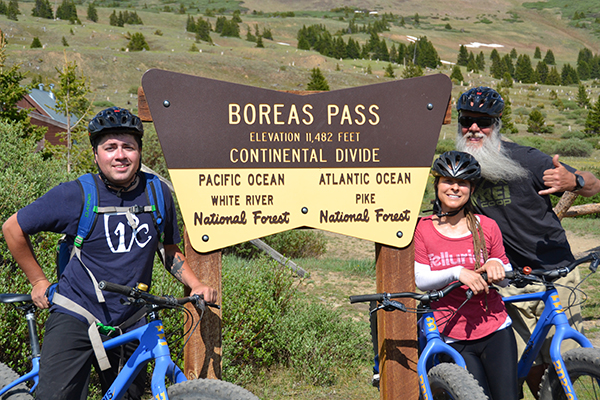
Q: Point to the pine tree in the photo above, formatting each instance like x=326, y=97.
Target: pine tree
x=523, y=70
x=249, y=36
x=389, y=71
x=67, y=11
x=507, y=124
x=582, y=97
x=536, y=122
x=513, y=53
x=64, y=42
x=112, y=19
x=92, y=13
x=259, y=42
x=456, y=75
x=317, y=81
x=498, y=68
x=411, y=70
x=553, y=77
x=507, y=80
x=463, y=56
x=42, y=9
x=480, y=61
x=230, y=29
x=592, y=122
x=12, y=11
x=542, y=71
x=35, y=43
x=203, y=29
x=138, y=42
x=549, y=58
x=538, y=53
x=569, y=75
x=508, y=65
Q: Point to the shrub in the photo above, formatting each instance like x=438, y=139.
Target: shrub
x=573, y=148
x=267, y=323
x=292, y=244
x=24, y=176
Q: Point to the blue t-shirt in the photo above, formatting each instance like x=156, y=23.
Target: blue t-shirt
x=112, y=252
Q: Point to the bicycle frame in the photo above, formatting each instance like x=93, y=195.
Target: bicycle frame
x=152, y=346
x=553, y=315
x=430, y=345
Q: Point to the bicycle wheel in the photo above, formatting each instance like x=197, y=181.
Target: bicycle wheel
x=208, y=389
x=19, y=392
x=583, y=367
x=451, y=382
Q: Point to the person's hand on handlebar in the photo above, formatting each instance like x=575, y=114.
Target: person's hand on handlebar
x=209, y=294
x=474, y=281
x=494, y=270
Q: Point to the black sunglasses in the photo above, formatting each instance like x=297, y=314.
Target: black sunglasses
x=482, y=122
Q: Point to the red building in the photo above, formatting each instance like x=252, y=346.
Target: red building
x=42, y=104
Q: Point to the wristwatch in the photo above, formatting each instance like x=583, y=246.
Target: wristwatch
x=579, y=182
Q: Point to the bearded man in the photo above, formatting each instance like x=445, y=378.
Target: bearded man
x=515, y=192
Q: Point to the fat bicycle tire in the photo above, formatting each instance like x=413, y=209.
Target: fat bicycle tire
x=451, y=382
x=208, y=389
x=583, y=367
x=19, y=392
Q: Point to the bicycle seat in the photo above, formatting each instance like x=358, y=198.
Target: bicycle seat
x=15, y=298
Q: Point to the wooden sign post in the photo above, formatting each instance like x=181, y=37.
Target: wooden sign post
x=249, y=162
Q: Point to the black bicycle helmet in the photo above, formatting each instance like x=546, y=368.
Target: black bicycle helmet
x=115, y=120
x=454, y=164
x=457, y=164
x=483, y=100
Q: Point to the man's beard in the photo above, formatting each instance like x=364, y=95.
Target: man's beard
x=495, y=163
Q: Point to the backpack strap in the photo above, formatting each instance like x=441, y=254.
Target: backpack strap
x=88, y=213
x=156, y=198
x=93, y=333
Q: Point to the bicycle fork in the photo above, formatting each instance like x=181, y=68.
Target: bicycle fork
x=434, y=346
x=553, y=315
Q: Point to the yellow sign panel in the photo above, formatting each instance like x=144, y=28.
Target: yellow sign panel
x=249, y=162
x=224, y=207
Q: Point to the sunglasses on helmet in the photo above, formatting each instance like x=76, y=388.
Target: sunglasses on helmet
x=482, y=122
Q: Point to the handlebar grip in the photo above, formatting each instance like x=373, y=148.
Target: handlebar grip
x=115, y=288
x=363, y=298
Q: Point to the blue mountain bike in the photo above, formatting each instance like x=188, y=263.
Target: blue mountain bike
x=437, y=380
x=574, y=374
x=152, y=346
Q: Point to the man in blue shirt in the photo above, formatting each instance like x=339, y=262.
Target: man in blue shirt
x=120, y=248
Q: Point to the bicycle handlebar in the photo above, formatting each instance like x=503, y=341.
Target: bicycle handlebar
x=424, y=297
x=535, y=275
x=146, y=297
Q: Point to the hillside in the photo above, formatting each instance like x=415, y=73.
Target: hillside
x=99, y=48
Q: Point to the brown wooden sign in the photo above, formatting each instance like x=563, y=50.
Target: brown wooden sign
x=248, y=162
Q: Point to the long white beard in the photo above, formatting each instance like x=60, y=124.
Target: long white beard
x=495, y=164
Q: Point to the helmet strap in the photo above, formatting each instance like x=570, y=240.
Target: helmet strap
x=118, y=188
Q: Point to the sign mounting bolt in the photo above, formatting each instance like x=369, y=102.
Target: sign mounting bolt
x=430, y=106
x=166, y=103
x=399, y=234
x=304, y=210
x=205, y=238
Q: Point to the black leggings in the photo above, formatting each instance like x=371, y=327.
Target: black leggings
x=493, y=362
